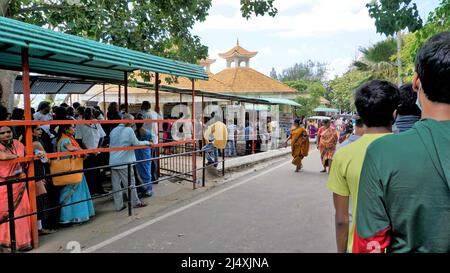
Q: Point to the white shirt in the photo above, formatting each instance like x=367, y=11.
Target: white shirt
x=152, y=127
x=231, y=129
x=90, y=134
x=42, y=117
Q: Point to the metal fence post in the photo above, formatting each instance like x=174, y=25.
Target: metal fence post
x=223, y=162
x=129, y=190
x=12, y=225
x=203, y=169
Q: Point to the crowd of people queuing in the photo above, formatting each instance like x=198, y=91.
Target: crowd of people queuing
x=71, y=138
x=389, y=166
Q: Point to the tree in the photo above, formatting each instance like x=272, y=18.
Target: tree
x=273, y=74
x=309, y=72
x=299, y=85
x=393, y=16
x=311, y=100
x=342, y=88
x=438, y=21
x=158, y=27
x=377, y=60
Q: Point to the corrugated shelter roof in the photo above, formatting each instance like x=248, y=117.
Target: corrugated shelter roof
x=53, y=85
x=238, y=51
x=55, y=53
x=244, y=79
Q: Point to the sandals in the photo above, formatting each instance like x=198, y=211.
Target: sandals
x=140, y=205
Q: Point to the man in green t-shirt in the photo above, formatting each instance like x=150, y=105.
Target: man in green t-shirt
x=376, y=103
x=404, y=189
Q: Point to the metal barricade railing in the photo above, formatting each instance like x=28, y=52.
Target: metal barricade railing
x=182, y=173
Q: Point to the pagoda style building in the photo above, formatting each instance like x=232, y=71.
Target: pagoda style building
x=237, y=55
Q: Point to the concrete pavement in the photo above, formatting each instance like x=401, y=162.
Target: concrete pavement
x=269, y=209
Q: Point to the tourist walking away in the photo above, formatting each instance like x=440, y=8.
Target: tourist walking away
x=81, y=212
x=215, y=138
x=404, y=189
x=124, y=136
x=328, y=139
x=299, y=144
x=11, y=149
x=408, y=112
x=376, y=103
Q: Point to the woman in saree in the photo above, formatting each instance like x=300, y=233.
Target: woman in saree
x=12, y=149
x=299, y=144
x=80, y=212
x=327, y=145
x=144, y=169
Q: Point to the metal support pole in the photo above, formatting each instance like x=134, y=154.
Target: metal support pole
x=223, y=162
x=157, y=110
x=29, y=143
x=12, y=224
x=129, y=190
x=125, y=80
x=120, y=95
x=104, y=99
x=203, y=169
x=194, y=144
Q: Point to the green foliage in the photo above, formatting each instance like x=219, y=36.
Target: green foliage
x=381, y=51
x=299, y=85
x=309, y=72
x=309, y=101
x=392, y=16
x=158, y=27
x=438, y=21
x=257, y=7
x=342, y=88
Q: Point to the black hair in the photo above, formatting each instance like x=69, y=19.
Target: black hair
x=138, y=125
x=88, y=115
x=376, y=102
x=298, y=121
x=81, y=110
x=3, y=112
x=60, y=113
x=326, y=121
x=70, y=111
x=61, y=129
x=17, y=114
x=433, y=67
x=359, y=122
x=408, y=98
x=42, y=105
x=145, y=105
x=123, y=106
x=65, y=105
x=75, y=105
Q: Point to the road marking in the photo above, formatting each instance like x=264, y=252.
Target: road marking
x=162, y=217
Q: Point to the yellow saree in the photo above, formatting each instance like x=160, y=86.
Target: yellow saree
x=299, y=145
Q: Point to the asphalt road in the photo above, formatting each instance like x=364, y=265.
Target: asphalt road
x=271, y=210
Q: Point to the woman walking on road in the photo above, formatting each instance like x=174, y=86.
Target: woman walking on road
x=299, y=144
x=327, y=145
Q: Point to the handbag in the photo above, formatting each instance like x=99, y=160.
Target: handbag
x=40, y=187
x=66, y=165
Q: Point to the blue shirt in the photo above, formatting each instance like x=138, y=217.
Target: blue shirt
x=122, y=136
x=404, y=123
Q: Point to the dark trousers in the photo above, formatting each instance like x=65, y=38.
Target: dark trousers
x=248, y=147
x=93, y=177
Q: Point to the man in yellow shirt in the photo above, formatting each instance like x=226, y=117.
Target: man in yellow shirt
x=215, y=138
x=376, y=103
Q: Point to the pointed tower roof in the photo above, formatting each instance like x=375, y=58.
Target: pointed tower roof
x=238, y=51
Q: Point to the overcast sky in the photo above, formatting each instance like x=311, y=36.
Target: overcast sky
x=329, y=31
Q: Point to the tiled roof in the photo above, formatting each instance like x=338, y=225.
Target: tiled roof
x=238, y=50
x=243, y=79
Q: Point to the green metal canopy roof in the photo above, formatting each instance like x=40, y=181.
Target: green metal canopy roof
x=282, y=102
x=329, y=110
x=62, y=54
